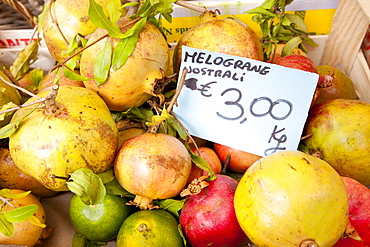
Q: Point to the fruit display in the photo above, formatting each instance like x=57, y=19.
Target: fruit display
x=93, y=152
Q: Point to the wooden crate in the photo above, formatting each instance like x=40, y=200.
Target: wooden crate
x=343, y=45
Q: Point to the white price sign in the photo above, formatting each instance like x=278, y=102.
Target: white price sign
x=257, y=107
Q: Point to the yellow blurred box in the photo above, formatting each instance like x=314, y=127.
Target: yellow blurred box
x=317, y=14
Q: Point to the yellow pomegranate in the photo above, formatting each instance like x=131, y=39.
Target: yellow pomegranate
x=25, y=233
x=81, y=133
x=136, y=80
x=338, y=132
x=292, y=199
x=64, y=19
x=227, y=36
x=11, y=177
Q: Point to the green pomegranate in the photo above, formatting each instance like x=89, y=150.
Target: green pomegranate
x=137, y=79
x=339, y=133
x=79, y=133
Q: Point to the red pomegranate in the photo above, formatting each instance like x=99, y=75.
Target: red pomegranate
x=208, y=218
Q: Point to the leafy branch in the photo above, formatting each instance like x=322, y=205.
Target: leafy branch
x=16, y=215
x=279, y=27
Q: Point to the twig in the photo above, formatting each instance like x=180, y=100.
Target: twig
x=22, y=106
x=178, y=91
x=7, y=73
x=51, y=107
x=6, y=201
x=186, y=4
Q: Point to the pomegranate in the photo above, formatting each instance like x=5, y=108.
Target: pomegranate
x=226, y=36
x=139, y=78
x=334, y=84
x=59, y=31
x=208, y=218
x=11, y=177
x=210, y=156
x=350, y=242
x=152, y=166
x=292, y=199
x=359, y=210
x=239, y=161
x=339, y=133
x=301, y=62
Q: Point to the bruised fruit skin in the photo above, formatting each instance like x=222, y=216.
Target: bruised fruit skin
x=208, y=218
x=135, y=81
x=225, y=36
x=80, y=134
x=334, y=84
x=11, y=177
x=282, y=200
x=339, y=133
x=25, y=233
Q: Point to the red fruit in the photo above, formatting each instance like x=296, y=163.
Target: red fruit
x=239, y=160
x=212, y=159
x=300, y=62
x=208, y=218
x=350, y=242
x=296, y=61
x=359, y=209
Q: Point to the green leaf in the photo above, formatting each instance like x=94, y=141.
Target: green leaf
x=74, y=76
x=261, y=10
x=8, y=130
x=268, y=4
x=21, y=214
x=174, y=124
x=7, y=194
x=290, y=46
x=172, y=206
x=36, y=76
x=107, y=176
x=138, y=113
x=24, y=59
x=127, y=45
x=98, y=17
x=297, y=21
x=7, y=106
x=6, y=227
x=202, y=164
x=115, y=188
x=115, y=10
x=102, y=63
x=87, y=185
x=310, y=41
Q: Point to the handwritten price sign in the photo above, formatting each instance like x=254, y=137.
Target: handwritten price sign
x=246, y=104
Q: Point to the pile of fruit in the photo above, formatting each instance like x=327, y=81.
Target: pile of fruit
x=100, y=125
